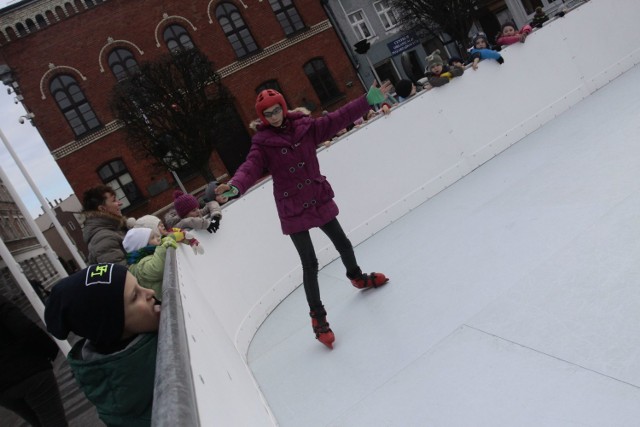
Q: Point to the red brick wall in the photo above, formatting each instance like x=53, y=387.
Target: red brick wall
x=76, y=42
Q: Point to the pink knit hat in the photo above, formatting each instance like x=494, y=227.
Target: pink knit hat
x=184, y=203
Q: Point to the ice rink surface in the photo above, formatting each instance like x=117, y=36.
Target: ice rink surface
x=514, y=297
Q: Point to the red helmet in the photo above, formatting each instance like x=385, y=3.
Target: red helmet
x=268, y=98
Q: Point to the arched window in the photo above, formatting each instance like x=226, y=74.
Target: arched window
x=287, y=15
x=177, y=38
x=73, y=104
x=236, y=30
x=115, y=175
x=41, y=21
x=122, y=63
x=22, y=31
x=31, y=26
x=321, y=80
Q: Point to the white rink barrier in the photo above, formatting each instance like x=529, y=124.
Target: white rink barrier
x=390, y=166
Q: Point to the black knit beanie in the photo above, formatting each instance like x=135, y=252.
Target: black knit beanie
x=89, y=303
x=403, y=88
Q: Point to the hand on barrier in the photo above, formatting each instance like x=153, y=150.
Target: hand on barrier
x=194, y=243
x=169, y=242
x=214, y=226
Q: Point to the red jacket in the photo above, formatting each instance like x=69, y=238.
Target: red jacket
x=304, y=198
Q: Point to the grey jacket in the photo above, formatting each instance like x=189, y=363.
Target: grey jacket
x=103, y=234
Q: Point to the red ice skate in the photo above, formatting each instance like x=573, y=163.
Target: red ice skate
x=323, y=332
x=366, y=281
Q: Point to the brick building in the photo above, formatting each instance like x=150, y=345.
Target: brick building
x=64, y=57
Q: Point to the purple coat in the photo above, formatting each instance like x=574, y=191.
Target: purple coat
x=304, y=197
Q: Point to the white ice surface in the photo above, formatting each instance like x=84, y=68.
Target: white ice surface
x=514, y=297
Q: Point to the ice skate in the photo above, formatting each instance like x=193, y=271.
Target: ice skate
x=366, y=281
x=323, y=332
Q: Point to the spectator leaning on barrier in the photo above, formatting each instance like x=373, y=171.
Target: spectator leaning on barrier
x=186, y=214
x=405, y=89
x=439, y=74
x=510, y=34
x=146, y=253
x=115, y=363
x=178, y=234
x=481, y=49
x=28, y=386
x=104, y=225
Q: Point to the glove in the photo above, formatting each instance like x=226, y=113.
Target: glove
x=214, y=226
x=169, y=242
x=233, y=192
x=447, y=75
x=194, y=243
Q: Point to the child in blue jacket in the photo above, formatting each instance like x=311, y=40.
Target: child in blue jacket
x=482, y=50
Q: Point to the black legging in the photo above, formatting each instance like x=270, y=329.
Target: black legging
x=304, y=245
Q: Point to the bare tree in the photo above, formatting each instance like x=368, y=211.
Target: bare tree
x=453, y=17
x=174, y=110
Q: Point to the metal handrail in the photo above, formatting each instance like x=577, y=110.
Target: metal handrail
x=174, y=397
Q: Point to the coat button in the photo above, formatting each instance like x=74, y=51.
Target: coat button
x=284, y=151
x=301, y=164
x=300, y=186
x=286, y=194
x=292, y=169
x=305, y=205
x=313, y=202
x=307, y=181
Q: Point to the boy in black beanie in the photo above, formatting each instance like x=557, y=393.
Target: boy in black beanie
x=118, y=319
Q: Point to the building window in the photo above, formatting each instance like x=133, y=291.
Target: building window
x=115, y=175
x=22, y=31
x=20, y=224
x=177, y=38
x=7, y=231
x=123, y=64
x=236, y=30
x=31, y=26
x=41, y=21
x=386, y=14
x=73, y=104
x=359, y=24
x=287, y=15
x=321, y=80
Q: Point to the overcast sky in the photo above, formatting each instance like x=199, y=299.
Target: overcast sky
x=33, y=153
